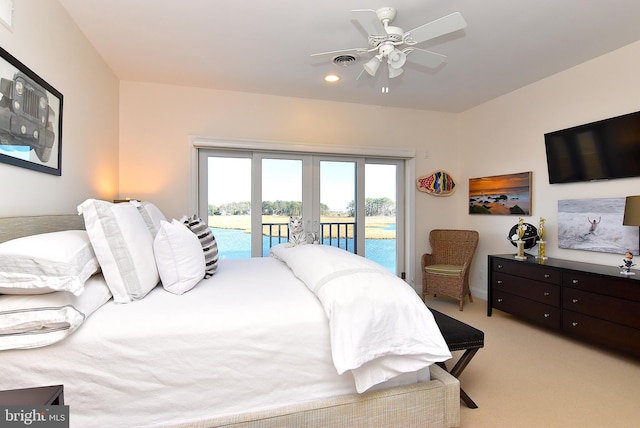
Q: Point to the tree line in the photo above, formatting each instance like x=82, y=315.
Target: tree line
x=268, y=208
x=373, y=207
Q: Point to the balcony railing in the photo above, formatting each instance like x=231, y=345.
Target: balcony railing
x=337, y=234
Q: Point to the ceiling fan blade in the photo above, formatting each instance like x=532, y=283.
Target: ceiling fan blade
x=439, y=27
x=426, y=58
x=354, y=51
x=368, y=19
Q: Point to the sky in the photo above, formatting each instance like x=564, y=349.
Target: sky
x=509, y=183
x=230, y=181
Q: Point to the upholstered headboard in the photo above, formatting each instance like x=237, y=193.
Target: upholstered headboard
x=17, y=227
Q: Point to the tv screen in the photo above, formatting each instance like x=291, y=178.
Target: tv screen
x=601, y=150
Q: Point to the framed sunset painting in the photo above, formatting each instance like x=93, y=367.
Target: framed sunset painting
x=508, y=194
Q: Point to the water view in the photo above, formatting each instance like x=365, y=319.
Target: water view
x=236, y=244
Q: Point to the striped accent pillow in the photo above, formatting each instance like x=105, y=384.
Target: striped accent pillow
x=208, y=242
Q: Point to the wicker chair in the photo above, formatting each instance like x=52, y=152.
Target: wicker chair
x=446, y=269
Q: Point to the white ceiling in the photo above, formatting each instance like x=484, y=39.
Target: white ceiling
x=264, y=46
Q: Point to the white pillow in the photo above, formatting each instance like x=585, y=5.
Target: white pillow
x=123, y=246
x=179, y=257
x=37, y=264
x=151, y=214
x=31, y=321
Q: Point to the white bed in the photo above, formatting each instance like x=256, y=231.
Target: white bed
x=250, y=346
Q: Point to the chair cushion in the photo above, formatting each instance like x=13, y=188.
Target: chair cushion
x=452, y=270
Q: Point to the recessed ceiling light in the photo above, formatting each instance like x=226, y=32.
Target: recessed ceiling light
x=331, y=78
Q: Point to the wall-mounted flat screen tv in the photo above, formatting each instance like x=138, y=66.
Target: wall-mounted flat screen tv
x=601, y=150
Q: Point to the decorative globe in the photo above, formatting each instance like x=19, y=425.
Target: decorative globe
x=530, y=235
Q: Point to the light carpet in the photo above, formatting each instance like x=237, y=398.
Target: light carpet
x=526, y=376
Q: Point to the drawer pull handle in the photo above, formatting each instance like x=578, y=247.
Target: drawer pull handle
x=546, y=294
x=574, y=281
x=574, y=300
x=547, y=315
x=500, y=300
x=500, y=266
x=499, y=281
x=546, y=275
x=575, y=324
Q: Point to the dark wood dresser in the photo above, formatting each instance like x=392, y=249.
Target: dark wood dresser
x=591, y=302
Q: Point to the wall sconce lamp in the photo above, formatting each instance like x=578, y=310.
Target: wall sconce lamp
x=632, y=211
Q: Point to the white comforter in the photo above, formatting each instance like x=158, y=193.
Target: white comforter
x=379, y=327
x=249, y=338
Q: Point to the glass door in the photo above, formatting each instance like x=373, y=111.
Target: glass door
x=227, y=191
x=338, y=204
x=281, y=198
x=380, y=215
x=353, y=203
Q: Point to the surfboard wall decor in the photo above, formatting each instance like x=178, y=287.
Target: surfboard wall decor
x=438, y=183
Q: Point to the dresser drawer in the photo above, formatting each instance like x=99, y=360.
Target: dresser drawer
x=606, y=333
x=542, y=292
x=584, y=300
x=604, y=307
x=538, y=313
x=525, y=270
x=623, y=288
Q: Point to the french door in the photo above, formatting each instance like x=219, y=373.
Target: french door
x=354, y=203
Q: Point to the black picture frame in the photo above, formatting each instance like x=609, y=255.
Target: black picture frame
x=30, y=118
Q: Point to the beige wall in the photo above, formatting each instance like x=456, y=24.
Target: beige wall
x=502, y=136
x=506, y=135
x=44, y=38
x=131, y=139
x=157, y=120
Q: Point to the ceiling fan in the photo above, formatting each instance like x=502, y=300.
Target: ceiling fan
x=386, y=40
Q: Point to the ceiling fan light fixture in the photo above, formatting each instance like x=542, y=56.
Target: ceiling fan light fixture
x=372, y=65
x=394, y=72
x=397, y=58
x=388, y=41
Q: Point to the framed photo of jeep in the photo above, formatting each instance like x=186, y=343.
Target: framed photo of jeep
x=30, y=118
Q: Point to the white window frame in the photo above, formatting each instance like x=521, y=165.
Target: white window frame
x=243, y=148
